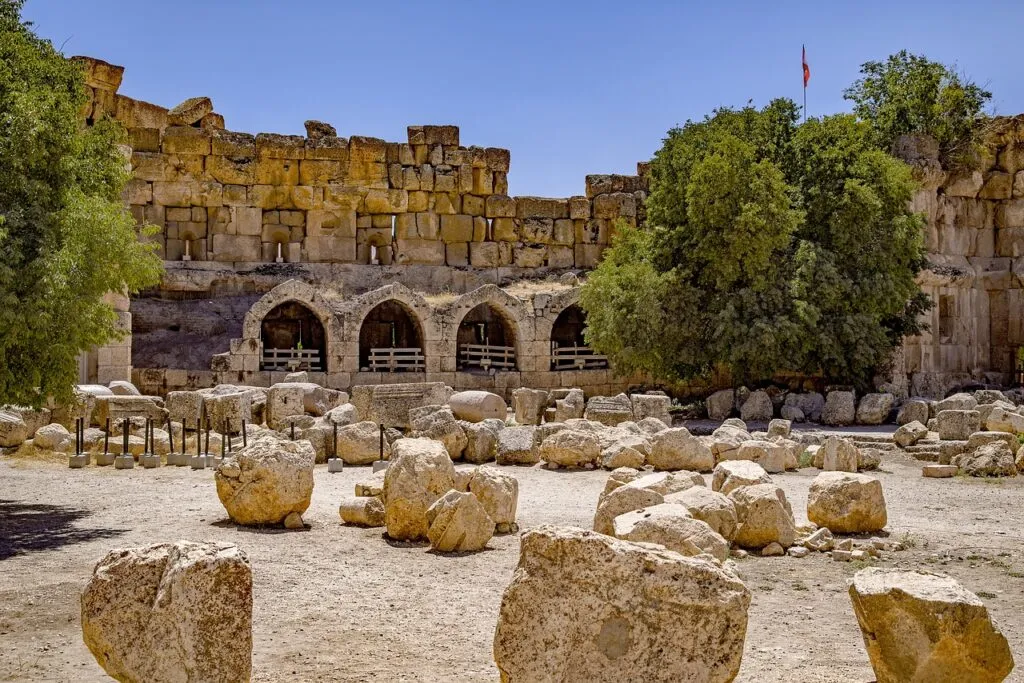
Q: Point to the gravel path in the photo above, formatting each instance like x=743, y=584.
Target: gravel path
x=340, y=603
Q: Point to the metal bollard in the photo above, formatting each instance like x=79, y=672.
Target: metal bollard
x=245, y=439
x=79, y=459
x=125, y=461
x=149, y=457
x=198, y=461
x=334, y=463
x=380, y=463
x=106, y=457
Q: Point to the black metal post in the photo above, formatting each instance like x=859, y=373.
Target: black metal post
x=206, y=451
x=78, y=436
x=170, y=434
x=245, y=439
x=182, y=434
x=293, y=430
x=334, y=443
x=222, y=446
x=381, y=440
x=106, y=439
x=199, y=437
x=227, y=428
x=124, y=437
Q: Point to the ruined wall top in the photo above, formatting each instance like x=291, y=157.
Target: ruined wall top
x=235, y=197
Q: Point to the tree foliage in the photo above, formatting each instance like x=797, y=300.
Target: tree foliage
x=912, y=94
x=66, y=238
x=771, y=246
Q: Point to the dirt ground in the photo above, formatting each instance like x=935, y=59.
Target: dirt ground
x=342, y=604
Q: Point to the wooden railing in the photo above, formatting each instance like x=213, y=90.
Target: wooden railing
x=486, y=356
x=292, y=360
x=397, y=360
x=576, y=358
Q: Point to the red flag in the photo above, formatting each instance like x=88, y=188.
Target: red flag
x=807, y=69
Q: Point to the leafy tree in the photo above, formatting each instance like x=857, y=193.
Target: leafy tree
x=912, y=94
x=66, y=238
x=771, y=247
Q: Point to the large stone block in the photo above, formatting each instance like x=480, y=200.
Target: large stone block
x=583, y=606
x=171, y=612
x=269, y=481
x=389, y=404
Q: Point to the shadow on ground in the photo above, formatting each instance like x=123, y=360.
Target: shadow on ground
x=31, y=527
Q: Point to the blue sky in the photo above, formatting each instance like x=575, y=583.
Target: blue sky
x=570, y=87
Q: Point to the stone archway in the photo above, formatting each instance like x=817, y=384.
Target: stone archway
x=569, y=349
x=391, y=339
x=293, y=339
x=486, y=339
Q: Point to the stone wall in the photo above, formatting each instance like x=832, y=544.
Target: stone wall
x=975, y=240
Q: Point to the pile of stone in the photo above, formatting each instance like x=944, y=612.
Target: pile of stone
x=421, y=496
x=970, y=434
x=837, y=407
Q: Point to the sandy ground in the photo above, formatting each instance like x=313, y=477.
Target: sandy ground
x=340, y=603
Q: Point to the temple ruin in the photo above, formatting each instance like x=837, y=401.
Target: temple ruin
x=364, y=261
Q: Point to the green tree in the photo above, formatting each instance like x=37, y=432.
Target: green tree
x=912, y=94
x=771, y=247
x=66, y=238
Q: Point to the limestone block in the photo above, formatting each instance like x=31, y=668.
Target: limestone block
x=609, y=410
x=910, y=433
x=13, y=429
x=711, y=507
x=484, y=255
x=998, y=185
x=116, y=408
x=267, y=480
x=614, y=205
x=458, y=522
x=874, y=408
x=438, y=422
x=477, y=406
x=847, y=503
x=839, y=408
x=190, y=111
x=185, y=140
x=919, y=626
x=582, y=606
x=481, y=441
x=541, y=207
x=530, y=257
x=440, y=135
x=366, y=511
x=420, y=472
x=995, y=459
x=516, y=446
x=560, y=257
x=457, y=228
x=529, y=405
x=730, y=475
x=837, y=455
x=956, y=425
x=359, y=443
x=677, y=449
x=763, y=516
x=236, y=248
x=456, y=254
x=673, y=527
x=154, y=613
x=913, y=410
x=497, y=159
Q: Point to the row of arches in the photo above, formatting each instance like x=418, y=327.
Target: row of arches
x=392, y=339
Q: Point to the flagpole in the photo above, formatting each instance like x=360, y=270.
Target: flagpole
x=803, y=66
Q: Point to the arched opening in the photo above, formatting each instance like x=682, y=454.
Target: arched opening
x=486, y=340
x=390, y=340
x=569, y=350
x=379, y=250
x=192, y=248
x=293, y=339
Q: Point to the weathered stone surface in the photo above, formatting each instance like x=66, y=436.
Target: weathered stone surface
x=571, y=407
x=673, y=527
x=714, y=508
x=458, y=523
x=957, y=425
x=359, y=443
x=846, y=503
x=677, y=449
x=530, y=405
x=267, y=480
x=120, y=387
x=184, y=406
x=342, y=415
x=763, y=516
x=779, y=427
x=621, y=500
x=651, y=406
x=116, y=408
x=771, y=456
x=189, y=111
x=910, y=433
x=171, y=612
x=481, y=441
x=372, y=485
x=757, y=408
x=874, y=408
x=1002, y=420
x=720, y=404
x=919, y=626
x=994, y=459
x=609, y=410
x=838, y=455
x=228, y=406
x=587, y=607
x=439, y=423
x=516, y=447
x=810, y=404
x=732, y=474
x=52, y=437
x=13, y=430
x=939, y=471
x=667, y=483
x=621, y=455
x=477, y=406
x=498, y=492
x=366, y=511
x=389, y=404
x=839, y=409
x=284, y=401
x=914, y=410
x=961, y=401
x=725, y=441
x=419, y=473
x=570, y=448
